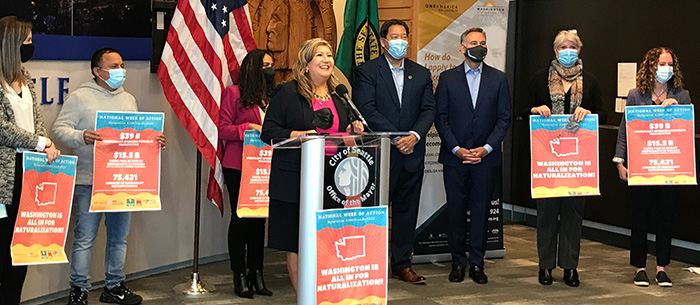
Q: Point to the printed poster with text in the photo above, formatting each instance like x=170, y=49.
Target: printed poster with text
x=563, y=163
x=253, y=199
x=127, y=162
x=442, y=22
x=352, y=254
x=661, y=145
x=44, y=210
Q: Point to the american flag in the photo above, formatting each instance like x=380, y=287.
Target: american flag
x=206, y=43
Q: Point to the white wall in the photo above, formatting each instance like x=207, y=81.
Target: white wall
x=156, y=239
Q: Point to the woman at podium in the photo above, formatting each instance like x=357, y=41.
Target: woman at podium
x=306, y=104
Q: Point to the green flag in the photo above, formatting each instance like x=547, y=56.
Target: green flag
x=360, y=40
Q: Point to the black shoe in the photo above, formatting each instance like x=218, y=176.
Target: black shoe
x=641, y=279
x=663, y=280
x=255, y=277
x=571, y=277
x=120, y=295
x=476, y=273
x=77, y=296
x=457, y=274
x=545, y=277
x=241, y=286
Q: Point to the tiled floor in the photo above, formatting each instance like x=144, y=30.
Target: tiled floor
x=604, y=271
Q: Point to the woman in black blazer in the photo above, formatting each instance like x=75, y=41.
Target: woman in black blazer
x=562, y=88
x=307, y=104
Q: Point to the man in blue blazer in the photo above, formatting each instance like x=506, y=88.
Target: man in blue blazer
x=396, y=94
x=473, y=115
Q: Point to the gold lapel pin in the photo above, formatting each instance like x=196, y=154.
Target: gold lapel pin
x=410, y=77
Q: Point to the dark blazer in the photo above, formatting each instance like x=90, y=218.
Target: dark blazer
x=459, y=124
x=375, y=95
x=289, y=110
x=538, y=95
x=636, y=98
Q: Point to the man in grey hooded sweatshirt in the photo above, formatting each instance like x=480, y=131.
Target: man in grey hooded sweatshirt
x=74, y=128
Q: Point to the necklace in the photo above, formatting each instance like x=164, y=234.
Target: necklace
x=323, y=97
x=658, y=96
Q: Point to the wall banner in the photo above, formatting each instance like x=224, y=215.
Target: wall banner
x=661, y=145
x=563, y=163
x=442, y=22
x=44, y=210
x=127, y=162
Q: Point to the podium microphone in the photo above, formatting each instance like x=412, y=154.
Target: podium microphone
x=343, y=91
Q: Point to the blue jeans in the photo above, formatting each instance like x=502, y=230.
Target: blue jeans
x=85, y=232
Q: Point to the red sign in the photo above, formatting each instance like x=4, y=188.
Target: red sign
x=563, y=163
x=127, y=162
x=661, y=145
x=44, y=211
x=351, y=256
x=253, y=196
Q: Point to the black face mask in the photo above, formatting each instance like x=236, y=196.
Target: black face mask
x=476, y=54
x=26, y=51
x=269, y=74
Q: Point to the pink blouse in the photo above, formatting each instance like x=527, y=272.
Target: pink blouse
x=331, y=148
x=318, y=104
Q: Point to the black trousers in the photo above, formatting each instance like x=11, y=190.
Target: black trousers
x=404, y=195
x=559, y=223
x=246, y=236
x=653, y=212
x=469, y=188
x=11, y=277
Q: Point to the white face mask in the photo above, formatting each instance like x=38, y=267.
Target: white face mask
x=664, y=73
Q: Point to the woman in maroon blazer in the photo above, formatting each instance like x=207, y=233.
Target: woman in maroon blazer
x=243, y=107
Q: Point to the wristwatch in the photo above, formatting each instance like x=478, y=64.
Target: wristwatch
x=618, y=160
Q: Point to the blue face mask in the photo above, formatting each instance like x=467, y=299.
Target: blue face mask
x=397, y=48
x=568, y=57
x=116, y=78
x=664, y=73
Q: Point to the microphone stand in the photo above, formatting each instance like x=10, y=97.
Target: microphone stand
x=357, y=113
